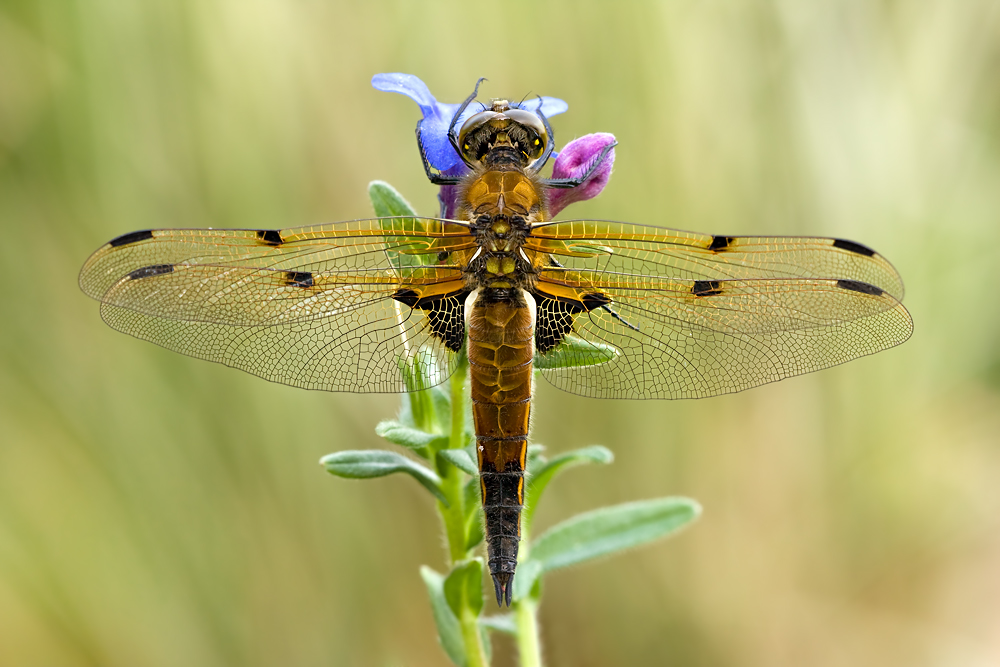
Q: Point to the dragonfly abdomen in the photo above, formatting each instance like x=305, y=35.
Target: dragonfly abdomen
x=501, y=332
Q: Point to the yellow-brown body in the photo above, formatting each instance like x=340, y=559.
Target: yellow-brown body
x=502, y=202
x=500, y=353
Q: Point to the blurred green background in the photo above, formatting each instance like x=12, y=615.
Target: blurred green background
x=157, y=510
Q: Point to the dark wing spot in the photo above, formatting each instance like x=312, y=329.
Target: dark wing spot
x=443, y=255
x=269, y=236
x=720, y=243
x=706, y=288
x=407, y=296
x=553, y=321
x=447, y=319
x=131, y=237
x=149, y=271
x=595, y=300
x=554, y=317
x=857, y=286
x=445, y=314
x=298, y=279
x=851, y=246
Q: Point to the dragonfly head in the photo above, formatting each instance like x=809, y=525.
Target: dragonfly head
x=502, y=133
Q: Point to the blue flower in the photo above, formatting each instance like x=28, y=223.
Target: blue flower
x=438, y=116
x=575, y=159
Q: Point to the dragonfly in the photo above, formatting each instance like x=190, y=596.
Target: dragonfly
x=601, y=309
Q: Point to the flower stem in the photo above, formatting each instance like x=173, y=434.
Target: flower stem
x=526, y=610
x=453, y=517
x=472, y=639
x=528, y=645
x=451, y=479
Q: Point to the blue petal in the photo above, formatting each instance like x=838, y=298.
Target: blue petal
x=551, y=106
x=438, y=116
x=406, y=84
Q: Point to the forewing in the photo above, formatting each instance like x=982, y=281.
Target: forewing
x=681, y=326
x=310, y=307
x=620, y=248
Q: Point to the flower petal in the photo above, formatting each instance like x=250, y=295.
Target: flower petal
x=575, y=159
x=406, y=84
x=438, y=116
x=434, y=136
x=448, y=194
x=551, y=106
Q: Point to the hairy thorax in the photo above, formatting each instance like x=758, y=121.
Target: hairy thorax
x=502, y=204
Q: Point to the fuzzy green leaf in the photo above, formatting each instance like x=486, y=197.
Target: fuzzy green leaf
x=369, y=463
x=542, y=474
x=474, y=533
x=463, y=587
x=405, y=253
x=387, y=201
x=449, y=630
x=441, y=401
x=603, y=532
x=460, y=459
x=419, y=374
x=505, y=623
x=529, y=574
x=536, y=457
x=472, y=496
x=472, y=499
x=574, y=351
x=411, y=438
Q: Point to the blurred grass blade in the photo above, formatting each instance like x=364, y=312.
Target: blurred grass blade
x=461, y=459
x=369, y=463
x=539, y=478
x=409, y=437
x=603, y=532
x=574, y=351
x=464, y=587
x=449, y=631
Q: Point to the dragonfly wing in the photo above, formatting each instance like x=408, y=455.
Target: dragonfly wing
x=346, y=307
x=676, y=338
x=616, y=247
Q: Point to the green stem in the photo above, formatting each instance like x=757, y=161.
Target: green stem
x=453, y=517
x=526, y=616
x=451, y=478
x=528, y=645
x=474, y=651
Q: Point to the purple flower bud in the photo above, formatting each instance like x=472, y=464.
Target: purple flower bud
x=448, y=194
x=574, y=161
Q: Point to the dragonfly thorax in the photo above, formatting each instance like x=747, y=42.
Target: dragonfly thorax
x=502, y=207
x=500, y=271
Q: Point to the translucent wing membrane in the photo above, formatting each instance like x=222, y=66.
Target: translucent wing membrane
x=650, y=312
x=616, y=247
x=689, y=316
x=341, y=307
